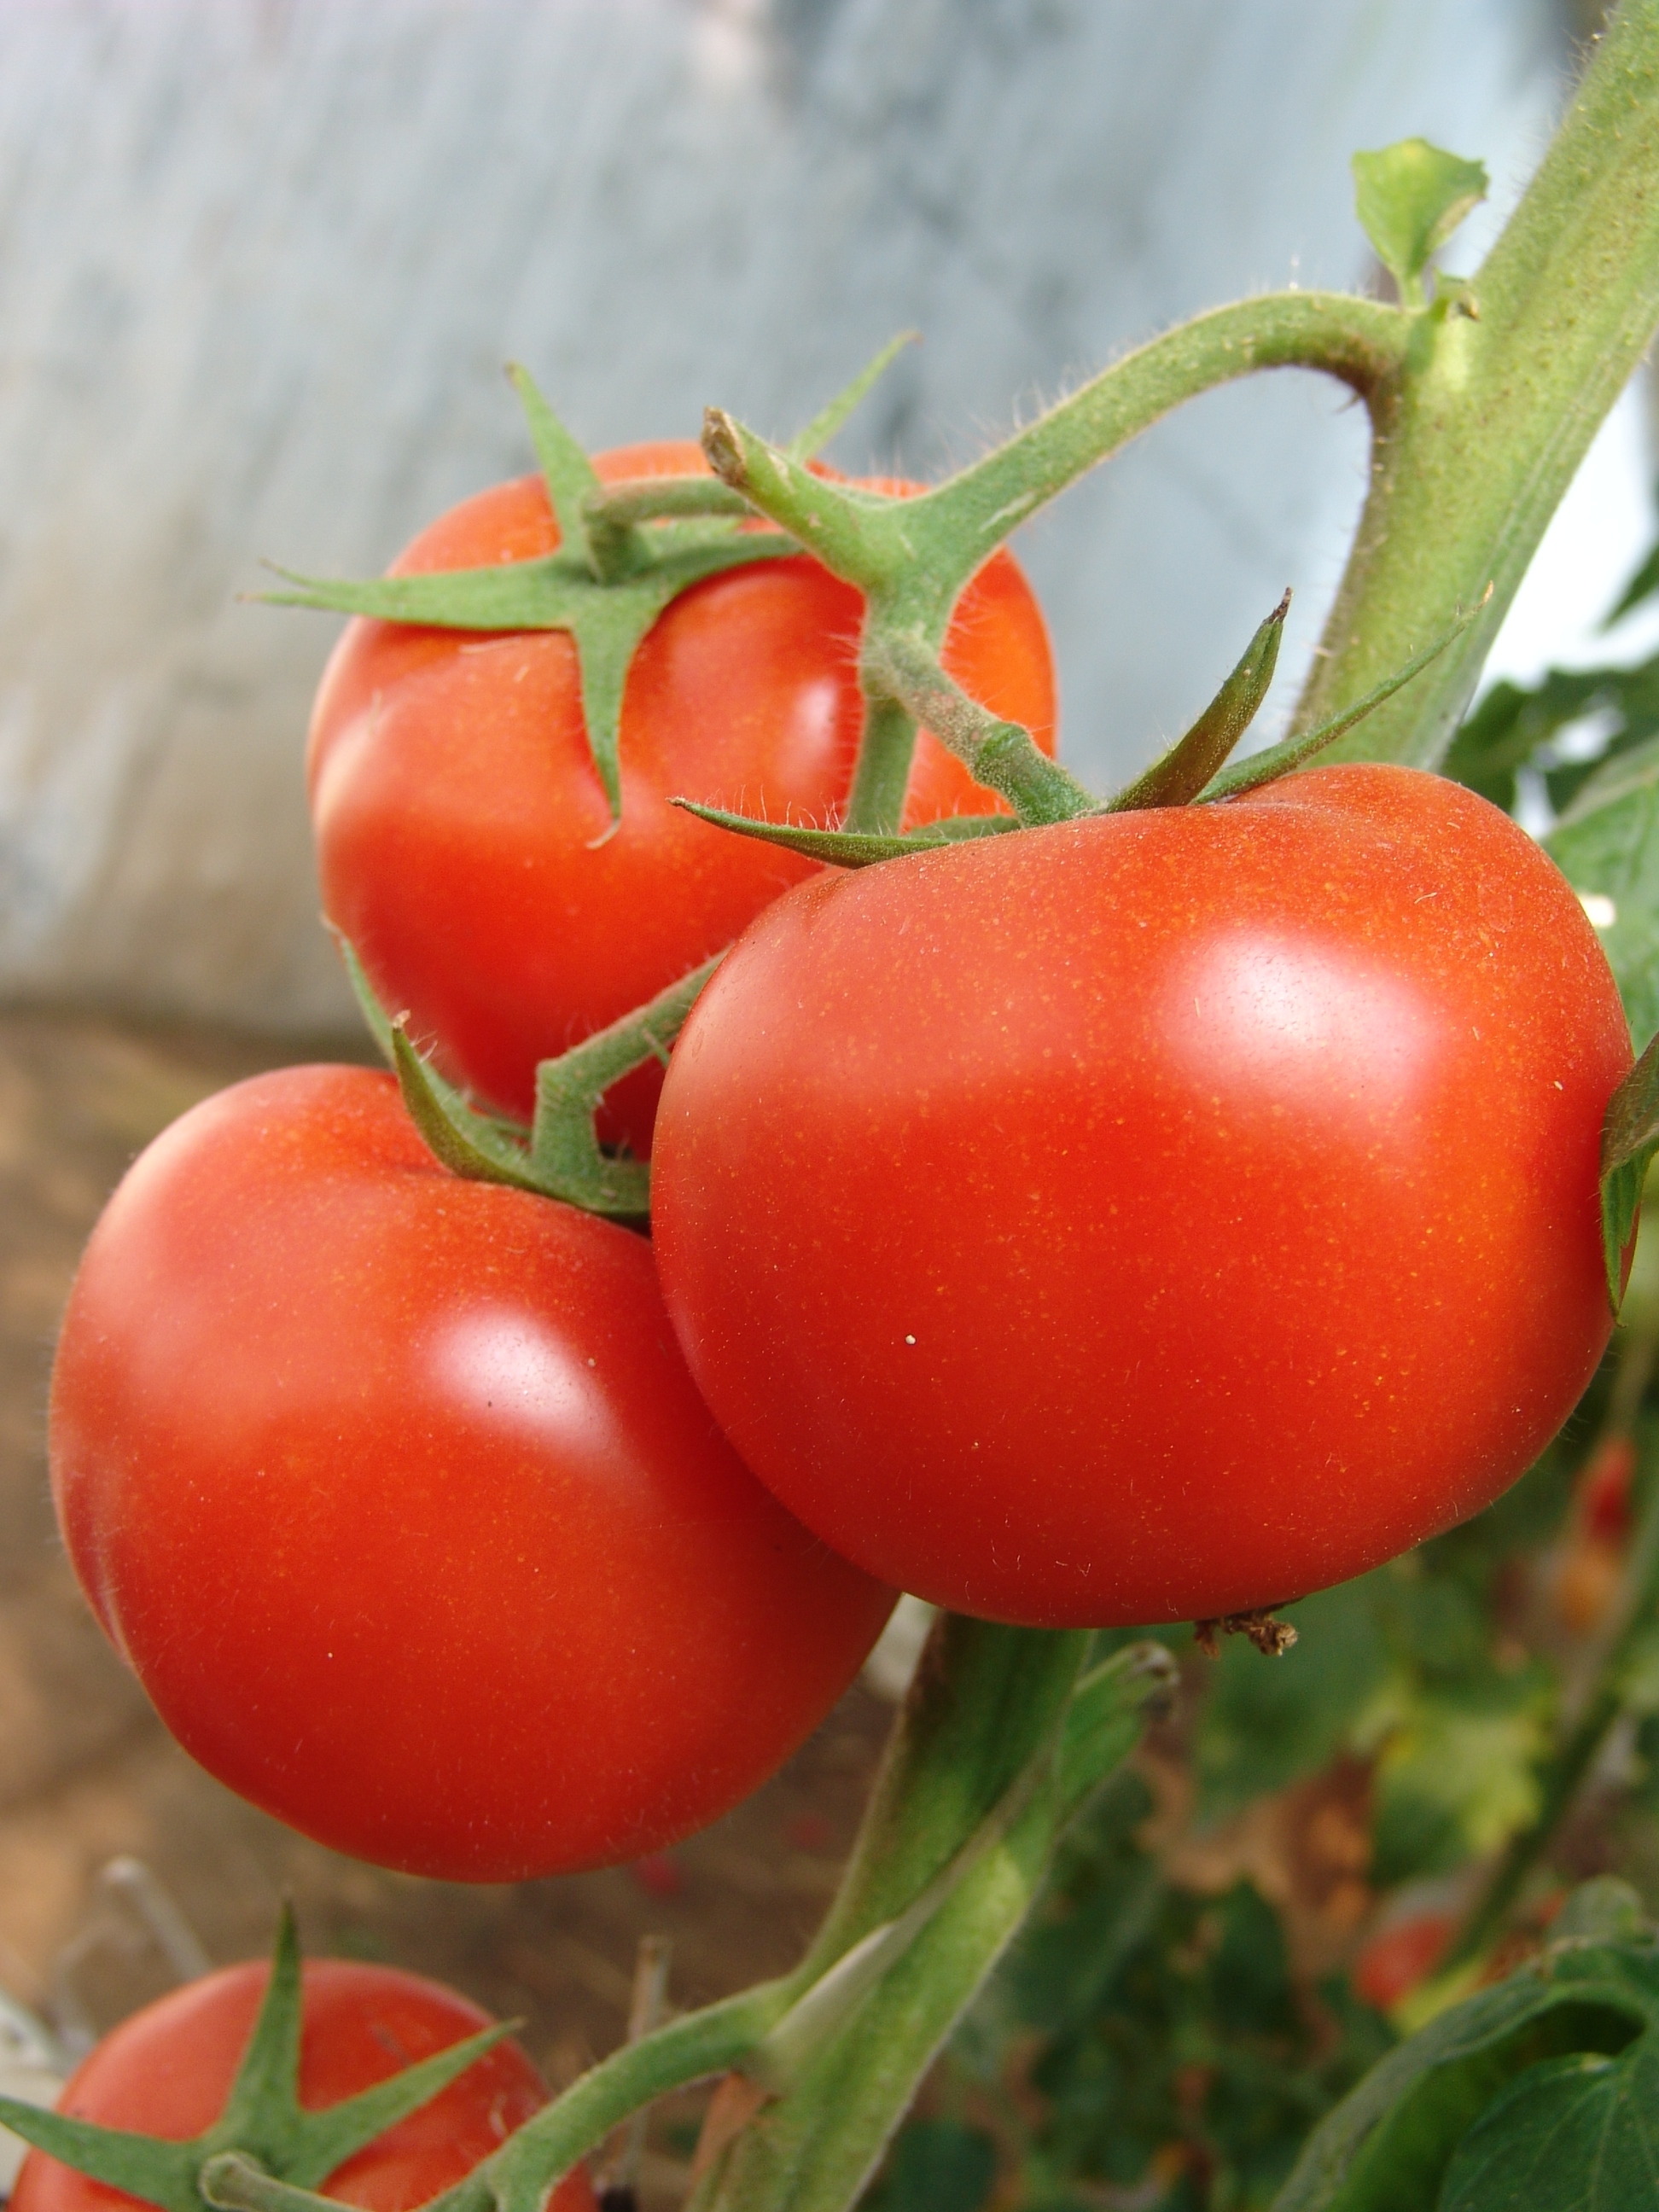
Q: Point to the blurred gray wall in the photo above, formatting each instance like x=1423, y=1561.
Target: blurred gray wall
x=261, y=261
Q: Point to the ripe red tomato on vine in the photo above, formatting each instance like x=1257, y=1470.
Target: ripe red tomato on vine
x=166, y=2072
x=1157, y=1216
x=464, y=841
x=394, y=1490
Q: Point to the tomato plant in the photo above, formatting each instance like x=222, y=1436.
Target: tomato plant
x=167, y=2071
x=393, y=1489
x=464, y=837
x=1121, y=1209
x=1155, y=1217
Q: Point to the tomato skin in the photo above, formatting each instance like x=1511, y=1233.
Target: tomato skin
x=462, y=835
x=394, y=1491
x=1157, y=1216
x=167, y=2071
x=1392, y=1964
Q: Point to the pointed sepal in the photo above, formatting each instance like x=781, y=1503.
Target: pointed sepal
x=1630, y=1137
x=1190, y=764
x=825, y=423
x=161, y=2173
x=482, y=1146
x=547, y=593
x=264, y=2103
x=559, y=1156
x=468, y=1143
x=325, y=2140
x=852, y=849
x=568, y=473
x=1267, y=766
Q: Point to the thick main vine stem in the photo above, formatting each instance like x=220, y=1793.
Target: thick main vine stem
x=1494, y=409
x=983, y=1699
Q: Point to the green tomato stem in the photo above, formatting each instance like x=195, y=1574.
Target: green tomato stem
x=985, y=1701
x=1002, y=756
x=517, y=2177
x=1359, y=342
x=612, y=510
x=1499, y=393
x=875, y=804
x=854, y=533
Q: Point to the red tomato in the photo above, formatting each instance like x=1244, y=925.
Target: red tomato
x=394, y=1491
x=1395, y=1959
x=167, y=2071
x=1601, y=1503
x=1157, y=1216
x=463, y=833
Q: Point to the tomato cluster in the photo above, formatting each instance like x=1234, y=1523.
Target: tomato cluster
x=392, y=1487
x=1155, y=1215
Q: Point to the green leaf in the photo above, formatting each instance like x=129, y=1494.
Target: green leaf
x=1409, y=198
x=1642, y=585
x=936, y=2166
x=1607, y=846
x=1630, y=1137
x=1195, y=759
x=1574, y=2134
x=1459, y=1777
x=1604, y=1909
x=1390, y=2145
x=1507, y=729
x=852, y=848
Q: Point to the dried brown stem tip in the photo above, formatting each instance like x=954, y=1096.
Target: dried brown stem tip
x=1271, y=1639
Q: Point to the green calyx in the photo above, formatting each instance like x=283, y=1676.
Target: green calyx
x=263, y=2119
x=626, y=553
x=1006, y=759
